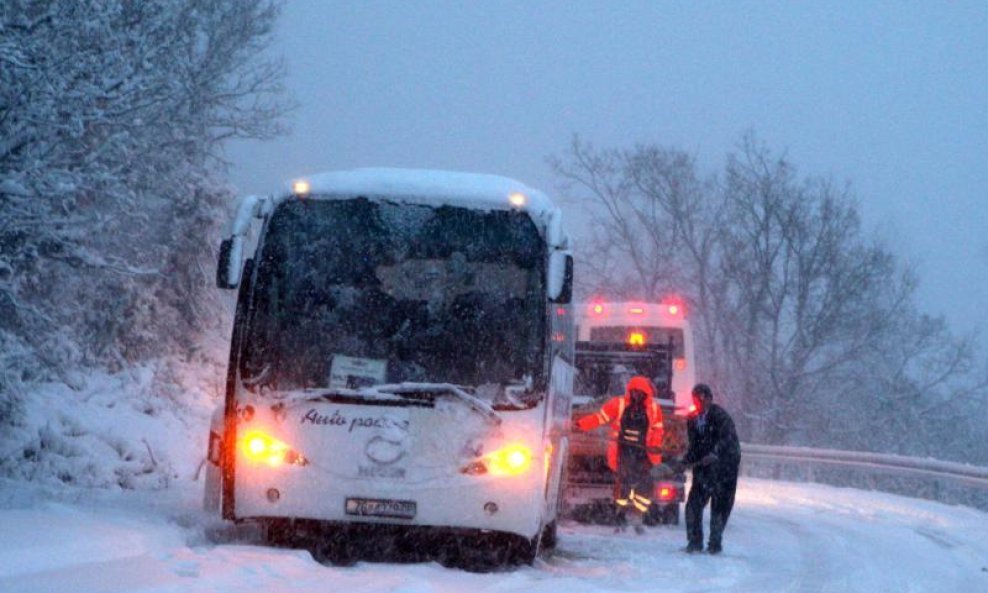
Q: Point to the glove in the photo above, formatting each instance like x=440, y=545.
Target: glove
x=675, y=464
x=663, y=471
x=708, y=459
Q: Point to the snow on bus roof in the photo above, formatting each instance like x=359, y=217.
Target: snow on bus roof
x=432, y=187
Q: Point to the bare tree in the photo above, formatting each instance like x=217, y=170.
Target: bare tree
x=646, y=205
x=802, y=320
x=112, y=118
x=807, y=295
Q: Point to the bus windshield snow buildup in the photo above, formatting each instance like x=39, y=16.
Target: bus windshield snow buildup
x=408, y=293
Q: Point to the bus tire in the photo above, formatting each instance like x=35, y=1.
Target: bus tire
x=550, y=536
x=527, y=551
x=336, y=547
x=279, y=533
x=487, y=553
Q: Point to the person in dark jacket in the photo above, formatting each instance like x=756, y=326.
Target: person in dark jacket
x=715, y=456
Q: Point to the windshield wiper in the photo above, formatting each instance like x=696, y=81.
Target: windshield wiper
x=476, y=404
x=397, y=392
x=260, y=378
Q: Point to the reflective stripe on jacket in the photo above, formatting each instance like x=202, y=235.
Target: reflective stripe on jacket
x=610, y=413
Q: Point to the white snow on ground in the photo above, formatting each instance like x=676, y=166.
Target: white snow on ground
x=782, y=537
x=149, y=535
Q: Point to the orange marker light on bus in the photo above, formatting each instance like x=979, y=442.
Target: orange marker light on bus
x=256, y=445
x=509, y=461
x=636, y=310
x=674, y=309
x=636, y=339
x=598, y=309
x=262, y=448
x=301, y=188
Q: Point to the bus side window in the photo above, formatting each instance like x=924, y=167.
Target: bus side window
x=562, y=334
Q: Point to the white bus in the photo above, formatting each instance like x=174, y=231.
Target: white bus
x=400, y=371
x=615, y=341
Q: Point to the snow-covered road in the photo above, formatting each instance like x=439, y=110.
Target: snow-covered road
x=782, y=537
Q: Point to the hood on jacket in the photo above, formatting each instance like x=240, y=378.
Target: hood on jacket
x=642, y=384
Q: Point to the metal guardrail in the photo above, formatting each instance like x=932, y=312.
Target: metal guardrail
x=954, y=483
x=970, y=474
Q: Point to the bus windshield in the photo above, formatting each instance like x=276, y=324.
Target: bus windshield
x=353, y=293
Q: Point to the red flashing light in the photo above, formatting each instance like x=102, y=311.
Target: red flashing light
x=667, y=493
x=674, y=306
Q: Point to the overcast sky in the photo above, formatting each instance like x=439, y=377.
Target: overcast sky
x=890, y=96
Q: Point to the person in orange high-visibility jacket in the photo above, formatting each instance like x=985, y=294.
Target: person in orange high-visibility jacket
x=634, y=446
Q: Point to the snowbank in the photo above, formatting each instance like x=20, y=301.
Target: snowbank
x=141, y=429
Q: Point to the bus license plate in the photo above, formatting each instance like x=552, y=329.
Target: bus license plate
x=376, y=507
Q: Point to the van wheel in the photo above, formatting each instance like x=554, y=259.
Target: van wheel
x=654, y=516
x=671, y=515
x=667, y=514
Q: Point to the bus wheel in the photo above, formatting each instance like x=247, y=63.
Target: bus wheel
x=486, y=553
x=336, y=548
x=334, y=554
x=549, y=536
x=279, y=533
x=526, y=551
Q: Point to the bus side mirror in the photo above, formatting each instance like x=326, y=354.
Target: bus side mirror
x=560, y=277
x=228, y=267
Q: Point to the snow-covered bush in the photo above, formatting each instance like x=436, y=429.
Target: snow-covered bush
x=112, y=118
x=141, y=428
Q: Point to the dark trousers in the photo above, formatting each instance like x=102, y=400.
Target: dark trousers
x=718, y=487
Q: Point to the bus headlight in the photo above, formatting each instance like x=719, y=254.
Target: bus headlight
x=511, y=460
x=263, y=448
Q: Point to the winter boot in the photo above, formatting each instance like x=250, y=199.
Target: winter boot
x=635, y=519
